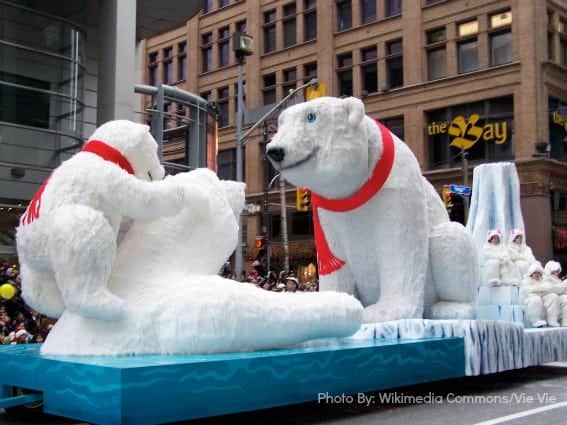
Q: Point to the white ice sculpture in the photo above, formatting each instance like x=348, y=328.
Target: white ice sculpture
x=165, y=272
x=381, y=230
x=495, y=201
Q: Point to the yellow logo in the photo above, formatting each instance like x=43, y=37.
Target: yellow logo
x=560, y=120
x=466, y=133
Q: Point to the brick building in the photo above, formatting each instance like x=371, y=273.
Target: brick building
x=423, y=67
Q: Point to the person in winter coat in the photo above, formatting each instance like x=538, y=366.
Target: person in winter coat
x=553, y=271
x=542, y=304
x=520, y=254
x=498, y=267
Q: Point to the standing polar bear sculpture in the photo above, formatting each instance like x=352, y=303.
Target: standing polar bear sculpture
x=381, y=230
x=66, y=239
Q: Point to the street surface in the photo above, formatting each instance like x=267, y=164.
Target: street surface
x=530, y=396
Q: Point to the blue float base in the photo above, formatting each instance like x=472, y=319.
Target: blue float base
x=158, y=389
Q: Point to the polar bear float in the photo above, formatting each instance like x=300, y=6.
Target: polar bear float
x=381, y=231
x=165, y=271
x=66, y=239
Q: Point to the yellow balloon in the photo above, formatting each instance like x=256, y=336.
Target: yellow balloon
x=7, y=291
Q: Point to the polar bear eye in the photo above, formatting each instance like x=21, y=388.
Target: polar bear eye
x=311, y=117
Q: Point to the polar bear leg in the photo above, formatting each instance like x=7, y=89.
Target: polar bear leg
x=82, y=247
x=338, y=281
x=40, y=291
x=454, y=272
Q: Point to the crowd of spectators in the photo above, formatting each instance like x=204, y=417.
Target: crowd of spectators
x=19, y=324
x=270, y=280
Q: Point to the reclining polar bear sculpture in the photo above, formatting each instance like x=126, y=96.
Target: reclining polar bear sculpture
x=381, y=230
x=165, y=271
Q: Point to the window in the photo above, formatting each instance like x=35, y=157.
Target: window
x=501, y=19
x=222, y=103
x=27, y=107
x=181, y=61
x=224, y=46
x=236, y=97
x=393, y=7
x=207, y=6
x=206, y=95
x=289, y=25
x=309, y=20
x=468, y=56
x=344, y=74
x=152, y=68
x=226, y=163
x=500, y=48
x=301, y=224
x=269, y=31
x=557, y=132
x=468, y=28
x=269, y=89
x=207, y=52
x=241, y=26
x=290, y=79
x=395, y=125
x=368, y=11
x=223, y=3
x=309, y=71
x=168, y=65
x=501, y=40
x=369, y=69
x=436, y=53
x=344, y=15
x=563, y=49
x=394, y=64
x=492, y=140
x=468, y=48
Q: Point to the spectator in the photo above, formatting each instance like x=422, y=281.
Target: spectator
x=292, y=284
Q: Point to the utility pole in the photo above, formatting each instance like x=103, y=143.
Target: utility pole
x=284, y=224
x=242, y=46
x=464, y=155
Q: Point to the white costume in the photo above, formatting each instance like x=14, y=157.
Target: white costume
x=520, y=254
x=381, y=230
x=542, y=305
x=559, y=287
x=498, y=267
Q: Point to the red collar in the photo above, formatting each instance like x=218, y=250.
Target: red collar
x=108, y=153
x=327, y=262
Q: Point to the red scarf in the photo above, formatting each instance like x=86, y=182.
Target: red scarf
x=101, y=149
x=326, y=260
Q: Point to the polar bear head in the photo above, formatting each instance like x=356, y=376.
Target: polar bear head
x=324, y=145
x=135, y=142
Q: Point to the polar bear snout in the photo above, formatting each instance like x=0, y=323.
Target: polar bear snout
x=276, y=154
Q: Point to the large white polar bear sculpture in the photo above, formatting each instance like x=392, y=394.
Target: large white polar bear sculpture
x=166, y=269
x=66, y=239
x=381, y=230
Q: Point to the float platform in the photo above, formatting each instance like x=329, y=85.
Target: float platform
x=160, y=389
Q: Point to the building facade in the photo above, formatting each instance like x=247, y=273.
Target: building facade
x=488, y=76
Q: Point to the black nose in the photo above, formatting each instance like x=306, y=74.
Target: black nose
x=277, y=154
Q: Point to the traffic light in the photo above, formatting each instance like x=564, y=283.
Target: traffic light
x=302, y=199
x=447, y=200
x=260, y=242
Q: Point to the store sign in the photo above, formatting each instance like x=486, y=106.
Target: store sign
x=466, y=133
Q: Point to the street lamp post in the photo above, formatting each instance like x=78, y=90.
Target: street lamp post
x=242, y=46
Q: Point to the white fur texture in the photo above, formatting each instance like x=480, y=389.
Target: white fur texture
x=67, y=252
x=165, y=272
x=403, y=256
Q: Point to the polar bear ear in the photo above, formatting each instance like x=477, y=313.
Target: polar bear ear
x=355, y=110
